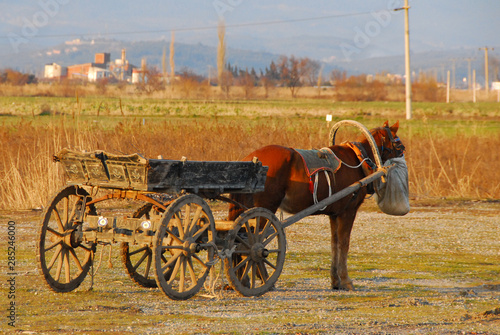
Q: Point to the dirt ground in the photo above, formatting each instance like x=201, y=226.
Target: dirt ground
x=434, y=271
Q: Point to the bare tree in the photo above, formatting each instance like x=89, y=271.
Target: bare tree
x=164, y=64
x=290, y=73
x=152, y=80
x=172, y=63
x=221, y=52
x=337, y=77
x=247, y=80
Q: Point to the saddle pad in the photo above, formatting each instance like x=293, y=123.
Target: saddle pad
x=318, y=160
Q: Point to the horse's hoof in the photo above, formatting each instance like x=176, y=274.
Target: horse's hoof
x=347, y=287
x=343, y=287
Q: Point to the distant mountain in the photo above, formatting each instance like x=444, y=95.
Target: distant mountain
x=199, y=57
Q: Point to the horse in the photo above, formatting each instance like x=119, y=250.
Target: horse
x=288, y=187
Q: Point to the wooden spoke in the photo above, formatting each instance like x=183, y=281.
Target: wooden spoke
x=178, y=222
x=53, y=245
x=194, y=221
x=201, y=231
x=58, y=219
x=240, y=264
x=75, y=259
x=66, y=265
x=175, y=270
x=148, y=265
x=270, y=238
x=66, y=212
x=59, y=265
x=145, y=248
x=191, y=270
x=54, y=257
x=170, y=262
x=139, y=262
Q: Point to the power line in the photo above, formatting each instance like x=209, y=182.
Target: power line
x=235, y=25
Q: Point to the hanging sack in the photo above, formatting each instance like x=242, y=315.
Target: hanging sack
x=393, y=196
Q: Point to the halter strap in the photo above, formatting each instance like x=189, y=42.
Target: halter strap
x=397, y=146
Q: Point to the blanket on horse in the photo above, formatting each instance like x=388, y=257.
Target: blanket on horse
x=318, y=160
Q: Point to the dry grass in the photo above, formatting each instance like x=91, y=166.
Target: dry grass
x=186, y=87
x=452, y=161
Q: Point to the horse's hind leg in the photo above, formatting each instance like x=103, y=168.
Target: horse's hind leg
x=341, y=232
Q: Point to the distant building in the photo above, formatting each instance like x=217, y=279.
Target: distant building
x=102, y=58
x=81, y=71
x=101, y=68
x=136, y=76
x=96, y=73
x=55, y=71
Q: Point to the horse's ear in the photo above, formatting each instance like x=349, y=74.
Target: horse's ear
x=386, y=124
x=394, y=128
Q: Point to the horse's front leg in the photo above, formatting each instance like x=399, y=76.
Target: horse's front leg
x=334, y=272
x=341, y=233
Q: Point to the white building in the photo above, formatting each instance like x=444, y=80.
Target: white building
x=54, y=70
x=97, y=73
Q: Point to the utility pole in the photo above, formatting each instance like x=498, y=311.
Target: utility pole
x=486, y=79
x=468, y=72
x=474, y=85
x=407, y=60
x=453, y=73
x=448, y=87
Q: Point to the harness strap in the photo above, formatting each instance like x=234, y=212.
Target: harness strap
x=366, y=163
x=315, y=190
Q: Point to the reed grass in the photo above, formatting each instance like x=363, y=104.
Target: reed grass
x=456, y=162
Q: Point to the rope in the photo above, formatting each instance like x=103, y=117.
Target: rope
x=92, y=272
x=357, y=166
x=219, y=256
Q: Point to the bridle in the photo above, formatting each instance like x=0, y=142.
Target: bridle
x=396, y=145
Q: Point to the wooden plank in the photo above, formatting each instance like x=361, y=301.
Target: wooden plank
x=223, y=225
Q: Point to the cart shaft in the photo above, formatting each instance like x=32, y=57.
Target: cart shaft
x=335, y=197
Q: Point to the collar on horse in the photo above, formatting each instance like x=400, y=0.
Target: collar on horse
x=366, y=163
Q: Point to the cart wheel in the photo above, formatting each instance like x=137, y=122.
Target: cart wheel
x=63, y=258
x=138, y=258
x=259, y=251
x=183, y=247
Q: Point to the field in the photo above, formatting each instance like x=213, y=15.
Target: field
x=435, y=270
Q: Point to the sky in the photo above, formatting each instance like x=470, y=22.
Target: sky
x=327, y=30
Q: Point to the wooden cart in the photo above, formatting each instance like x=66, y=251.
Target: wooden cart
x=172, y=240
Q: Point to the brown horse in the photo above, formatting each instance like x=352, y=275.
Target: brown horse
x=288, y=187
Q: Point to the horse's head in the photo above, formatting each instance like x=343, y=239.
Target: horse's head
x=388, y=143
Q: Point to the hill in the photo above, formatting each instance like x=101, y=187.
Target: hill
x=200, y=57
